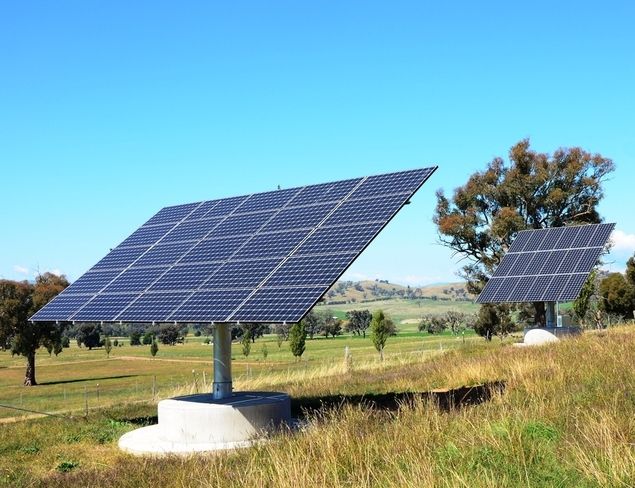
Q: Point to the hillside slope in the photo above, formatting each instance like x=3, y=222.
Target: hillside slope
x=365, y=291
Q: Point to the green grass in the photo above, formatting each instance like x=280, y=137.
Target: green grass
x=79, y=376
x=564, y=418
x=401, y=309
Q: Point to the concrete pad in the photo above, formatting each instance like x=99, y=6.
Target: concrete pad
x=198, y=423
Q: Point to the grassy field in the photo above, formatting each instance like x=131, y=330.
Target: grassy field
x=564, y=418
x=405, y=312
x=78, y=377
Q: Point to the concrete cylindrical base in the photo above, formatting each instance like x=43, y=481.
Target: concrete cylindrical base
x=198, y=423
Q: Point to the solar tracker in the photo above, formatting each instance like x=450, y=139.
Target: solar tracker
x=547, y=265
x=266, y=257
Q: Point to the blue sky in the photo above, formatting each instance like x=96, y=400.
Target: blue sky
x=110, y=111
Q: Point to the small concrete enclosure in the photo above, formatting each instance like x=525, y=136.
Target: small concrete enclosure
x=263, y=258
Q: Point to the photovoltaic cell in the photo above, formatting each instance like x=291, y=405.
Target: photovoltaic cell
x=506, y=265
x=191, y=230
x=135, y=279
x=147, y=235
x=172, y=214
x=329, y=239
x=547, y=264
x=366, y=210
x=197, y=307
x=303, y=270
x=275, y=304
x=121, y=257
x=298, y=218
x=241, y=274
x=572, y=288
x=184, y=276
x=212, y=250
x=64, y=305
x=491, y=288
x=151, y=307
x=164, y=254
x=267, y=257
x=104, y=307
x=92, y=282
x=537, y=289
x=277, y=244
x=222, y=208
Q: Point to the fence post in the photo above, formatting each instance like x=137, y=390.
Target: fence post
x=154, y=387
x=97, y=394
x=85, y=401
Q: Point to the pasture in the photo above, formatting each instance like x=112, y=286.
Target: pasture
x=79, y=378
x=564, y=418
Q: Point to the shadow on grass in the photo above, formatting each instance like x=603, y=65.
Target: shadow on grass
x=79, y=380
x=141, y=421
x=447, y=400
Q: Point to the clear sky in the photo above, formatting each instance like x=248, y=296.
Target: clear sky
x=111, y=110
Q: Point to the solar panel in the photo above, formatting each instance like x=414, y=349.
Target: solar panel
x=547, y=265
x=266, y=257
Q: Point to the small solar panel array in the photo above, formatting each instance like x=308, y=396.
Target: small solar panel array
x=547, y=265
x=266, y=257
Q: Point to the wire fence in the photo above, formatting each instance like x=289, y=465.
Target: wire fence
x=73, y=401
x=66, y=399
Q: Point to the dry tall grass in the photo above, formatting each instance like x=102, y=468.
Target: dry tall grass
x=566, y=418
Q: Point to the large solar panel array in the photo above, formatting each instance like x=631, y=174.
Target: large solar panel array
x=266, y=257
x=547, y=265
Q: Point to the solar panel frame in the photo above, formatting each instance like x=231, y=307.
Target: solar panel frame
x=166, y=250
x=547, y=264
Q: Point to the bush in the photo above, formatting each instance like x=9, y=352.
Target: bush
x=381, y=328
x=169, y=334
x=432, y=324
x=297, y=339
x=147, y=338
x=135, y=338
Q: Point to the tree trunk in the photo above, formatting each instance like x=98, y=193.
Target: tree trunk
x=29, y=376
x=381, y=353
x=541, y=315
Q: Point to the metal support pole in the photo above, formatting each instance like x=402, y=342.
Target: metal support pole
x=222, y=387
x=551, y=314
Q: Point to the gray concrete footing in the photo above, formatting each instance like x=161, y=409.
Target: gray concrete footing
x=200, y=423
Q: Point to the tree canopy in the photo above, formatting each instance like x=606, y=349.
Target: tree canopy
x=617, y=295
x=358, y=321
x=533, y=191
x=89, y=335
x=18, y=301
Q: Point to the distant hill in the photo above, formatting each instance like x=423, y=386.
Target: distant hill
x=368, y=291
